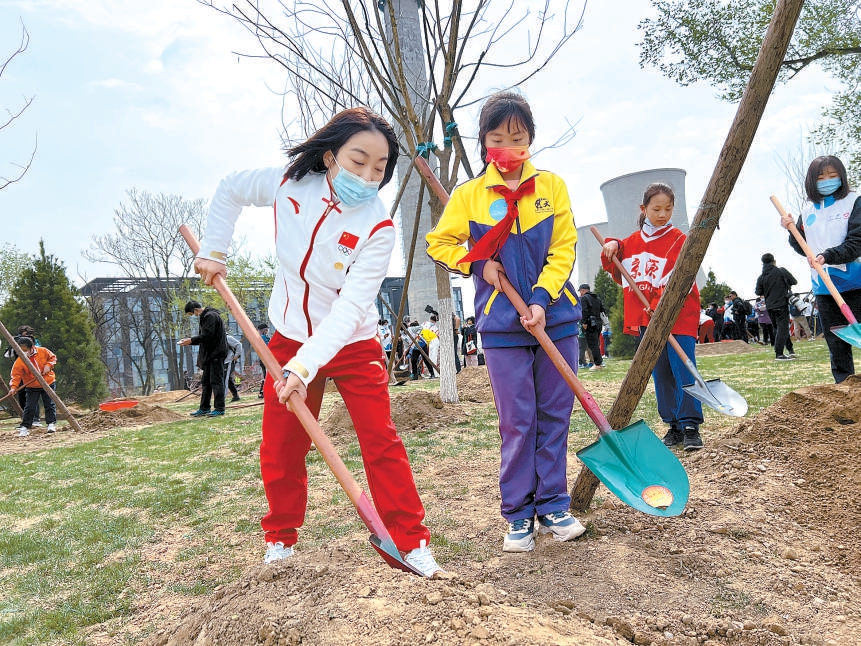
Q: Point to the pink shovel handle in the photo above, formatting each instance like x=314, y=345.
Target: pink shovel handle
x=811, y=257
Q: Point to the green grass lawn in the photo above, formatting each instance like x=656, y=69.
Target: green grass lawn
x=75, y=521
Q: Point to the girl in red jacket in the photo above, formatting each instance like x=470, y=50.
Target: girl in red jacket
x=650, y=256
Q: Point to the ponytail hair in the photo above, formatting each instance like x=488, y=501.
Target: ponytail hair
x=653, y=189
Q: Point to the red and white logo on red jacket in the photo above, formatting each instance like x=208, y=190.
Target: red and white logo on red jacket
x=347, y=243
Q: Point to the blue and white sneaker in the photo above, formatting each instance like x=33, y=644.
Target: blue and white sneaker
x=520, y=536
x=276, y=552
x=562, y=525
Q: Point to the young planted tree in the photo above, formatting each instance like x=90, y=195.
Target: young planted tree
x=147, y=247
x=13, y=114
x=717, y=41
x=45, y=299
x=421, y=63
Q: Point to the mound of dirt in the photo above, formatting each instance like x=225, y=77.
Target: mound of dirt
x=812, y=435
x=167, y=397
x=141, y=415
x=724, y=347
x=473, y=385
x=298, y=601
x=411, y=411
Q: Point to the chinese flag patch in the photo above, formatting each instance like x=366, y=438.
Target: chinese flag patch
x=348, y=240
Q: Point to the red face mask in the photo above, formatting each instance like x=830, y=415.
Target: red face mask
x=507, y=159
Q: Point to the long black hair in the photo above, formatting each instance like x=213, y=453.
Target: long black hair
x=503, y=108
x=307, y=157
x=816, y=167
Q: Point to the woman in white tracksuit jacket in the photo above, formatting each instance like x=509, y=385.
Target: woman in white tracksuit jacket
x=333, y=238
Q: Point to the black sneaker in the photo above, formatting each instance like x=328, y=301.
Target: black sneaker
x=792, y=355
x=674, y=436
x=692, y=441
x=234, y=399
x=783, y=357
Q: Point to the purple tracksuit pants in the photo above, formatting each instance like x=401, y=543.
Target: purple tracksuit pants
x=534, y=405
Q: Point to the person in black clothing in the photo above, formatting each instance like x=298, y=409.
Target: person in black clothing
x=740, y=310
x=212, y=340
x=591, y=323
x=716, y=316
x=469, y=342
x=775, y=283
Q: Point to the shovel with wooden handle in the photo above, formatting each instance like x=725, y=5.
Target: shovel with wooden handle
x=713, y=393
x=380, y=537
x=850, y=333
x=632, y=463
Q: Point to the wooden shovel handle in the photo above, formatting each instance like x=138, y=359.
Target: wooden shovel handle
x=811, y=257
x=309, y=422
x=583, y=396
x=632, y=283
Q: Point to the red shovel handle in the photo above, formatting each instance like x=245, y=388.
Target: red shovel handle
x=811, y=257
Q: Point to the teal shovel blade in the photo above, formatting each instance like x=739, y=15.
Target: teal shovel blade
x=636, y=466
x=850, y=333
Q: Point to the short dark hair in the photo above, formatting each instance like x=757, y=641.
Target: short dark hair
x=307, y=157
x=24, y=341
x=191, y=306
x=263, y=326
x=817, y=166
x=503, y=108
x=26, y=330
x=767, y=259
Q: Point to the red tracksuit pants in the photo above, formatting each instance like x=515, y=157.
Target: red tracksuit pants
x=363, y=383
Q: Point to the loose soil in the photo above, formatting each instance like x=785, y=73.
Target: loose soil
x=767, y=552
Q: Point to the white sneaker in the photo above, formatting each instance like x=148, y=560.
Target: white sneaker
x=562, y=525
x=22, y=431
x=276, y=552
x=422, y=560
x=52, y=427
x=520, y=536
x=36, y=424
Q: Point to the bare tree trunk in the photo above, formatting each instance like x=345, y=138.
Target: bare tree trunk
x=726, y=172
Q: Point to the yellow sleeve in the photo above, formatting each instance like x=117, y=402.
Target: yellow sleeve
x=560, y=257
x=445, y=240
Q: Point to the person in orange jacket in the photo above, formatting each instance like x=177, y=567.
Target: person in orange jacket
x=44, y=361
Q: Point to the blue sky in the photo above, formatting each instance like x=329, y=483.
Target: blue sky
x=150, y=96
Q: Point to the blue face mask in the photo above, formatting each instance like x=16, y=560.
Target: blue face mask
x=828, y=186
x=351, y=189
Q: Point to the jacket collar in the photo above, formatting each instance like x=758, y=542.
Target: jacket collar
x=493, y=178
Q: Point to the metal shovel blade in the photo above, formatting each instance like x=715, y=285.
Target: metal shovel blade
x=380, y=538
x=716, y=394
x=636, y=466
x=850, y=333
x=391, y=555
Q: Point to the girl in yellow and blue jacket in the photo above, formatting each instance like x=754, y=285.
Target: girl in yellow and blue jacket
x=519, y=222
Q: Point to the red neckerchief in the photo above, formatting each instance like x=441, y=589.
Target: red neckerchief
x=491, y=242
